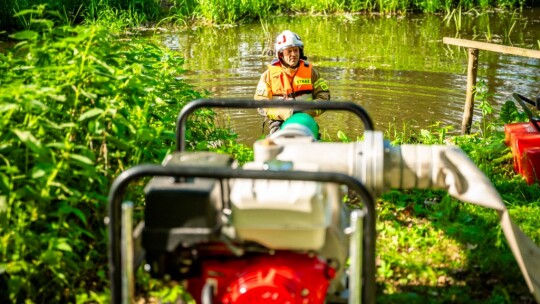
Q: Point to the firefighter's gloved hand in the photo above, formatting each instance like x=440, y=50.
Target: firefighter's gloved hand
x=278, y=113
x=274, y=125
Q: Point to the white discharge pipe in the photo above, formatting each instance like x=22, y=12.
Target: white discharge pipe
x=382, y=167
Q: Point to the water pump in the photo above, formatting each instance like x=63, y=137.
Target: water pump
x=276, y=230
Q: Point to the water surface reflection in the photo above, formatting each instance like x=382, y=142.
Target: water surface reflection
x=397, y=68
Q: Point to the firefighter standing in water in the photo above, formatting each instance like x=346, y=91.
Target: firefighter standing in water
x=289, y=77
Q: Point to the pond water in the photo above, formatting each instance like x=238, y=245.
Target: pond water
x=396, y=67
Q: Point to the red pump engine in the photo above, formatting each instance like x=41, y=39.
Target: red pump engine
x=284, y=277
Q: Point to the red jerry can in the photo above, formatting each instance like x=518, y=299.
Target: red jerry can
x=519, y=144
x=517, y=128
x=531, y=165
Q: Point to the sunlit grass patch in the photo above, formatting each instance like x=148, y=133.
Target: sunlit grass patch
x=430, y=245
x=526, y=217
x=411, y=249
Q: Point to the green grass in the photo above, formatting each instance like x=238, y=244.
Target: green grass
x=433, y=248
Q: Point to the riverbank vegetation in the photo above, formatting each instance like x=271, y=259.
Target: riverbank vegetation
x=435, y=249
x=81, y=104
x=138, y=13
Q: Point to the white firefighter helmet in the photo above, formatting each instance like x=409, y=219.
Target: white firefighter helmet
x=287, y=39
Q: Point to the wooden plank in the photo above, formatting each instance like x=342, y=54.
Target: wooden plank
x=492, y=47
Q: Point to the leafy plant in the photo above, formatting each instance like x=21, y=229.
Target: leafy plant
x=79, y=105
x=509, y=113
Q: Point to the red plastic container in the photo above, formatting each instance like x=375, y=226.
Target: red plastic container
x=517, y=128
x=521, y=142
x=531, y=165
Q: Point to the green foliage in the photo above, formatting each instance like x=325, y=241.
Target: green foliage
x=430, y=244
x=436, y=134
x=488, y=122
x=116, y=19
x=136, y=13
x=66, y=11
x=509, y=113
x=234, y=10
x=165, y=291
x=79, y=106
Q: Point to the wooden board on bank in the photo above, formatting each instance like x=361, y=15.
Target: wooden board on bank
x=492, y=47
